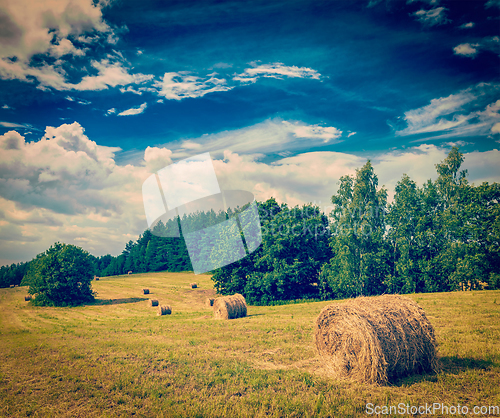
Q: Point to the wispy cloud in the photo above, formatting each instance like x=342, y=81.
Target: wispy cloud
x=110, y=111
x=324, y=133
x=134, y=110
x=455, y=115
x=432, y=2
x=492, y=3
x=79, y=101
x=276, y=70
x=467, y=25
x=264, y=138
x=16, y=125
x=432, y=17
x=182, y=85
x=110, y=74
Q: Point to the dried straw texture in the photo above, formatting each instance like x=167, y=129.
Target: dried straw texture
x=164, y=310
x=146, y=291
x=375, y=340
x=230, y=307
x=153, y=302
x=209, y=302
x=26, y=298
x=194, y=285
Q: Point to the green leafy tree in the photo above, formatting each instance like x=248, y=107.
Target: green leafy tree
x=294, y=247
x=359, y=265
x=404, y=221
x=286, y=265
x=61, y=276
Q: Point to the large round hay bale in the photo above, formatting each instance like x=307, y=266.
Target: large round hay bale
x=375, y=340
x=146, y=291
x=153, y=302
x=194, y=285
x=209, y=302
x=27, y=298
x=164, y=310
x=230, y=307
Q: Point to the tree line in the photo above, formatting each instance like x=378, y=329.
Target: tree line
x=442, y=236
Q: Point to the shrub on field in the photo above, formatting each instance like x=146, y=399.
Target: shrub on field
x=61, y=276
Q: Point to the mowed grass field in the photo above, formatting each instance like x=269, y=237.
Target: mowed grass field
x=118, y=358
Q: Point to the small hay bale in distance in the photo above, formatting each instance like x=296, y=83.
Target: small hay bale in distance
x=209, y=302
x=375, y=340
x=153, y=302
x=11, y=286
x=27, y=298
x=145, y=291
x=194, y=285
x=230, y=307
x=164, y=310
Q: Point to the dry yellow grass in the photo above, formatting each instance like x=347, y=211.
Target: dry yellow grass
x=115, y=358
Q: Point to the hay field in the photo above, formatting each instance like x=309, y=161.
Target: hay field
x=118, y=358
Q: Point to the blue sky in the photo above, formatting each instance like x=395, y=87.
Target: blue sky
x=287, y=96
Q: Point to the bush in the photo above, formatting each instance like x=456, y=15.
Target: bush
x=61, y=276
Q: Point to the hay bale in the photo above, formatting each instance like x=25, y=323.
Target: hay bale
x=375, y=340
x=146, y=291
x=230, y=307
x=11, y=286
x=97, y=278
x=153, y=302
x=209, y=302
x=194, y=285
x=164, y=310
x=27, y=298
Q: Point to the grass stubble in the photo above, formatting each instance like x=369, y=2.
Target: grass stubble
x=117, y=358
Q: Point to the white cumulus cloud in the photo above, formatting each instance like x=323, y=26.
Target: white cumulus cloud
x=467, y=50
x=61, y=29
x=65, y=187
